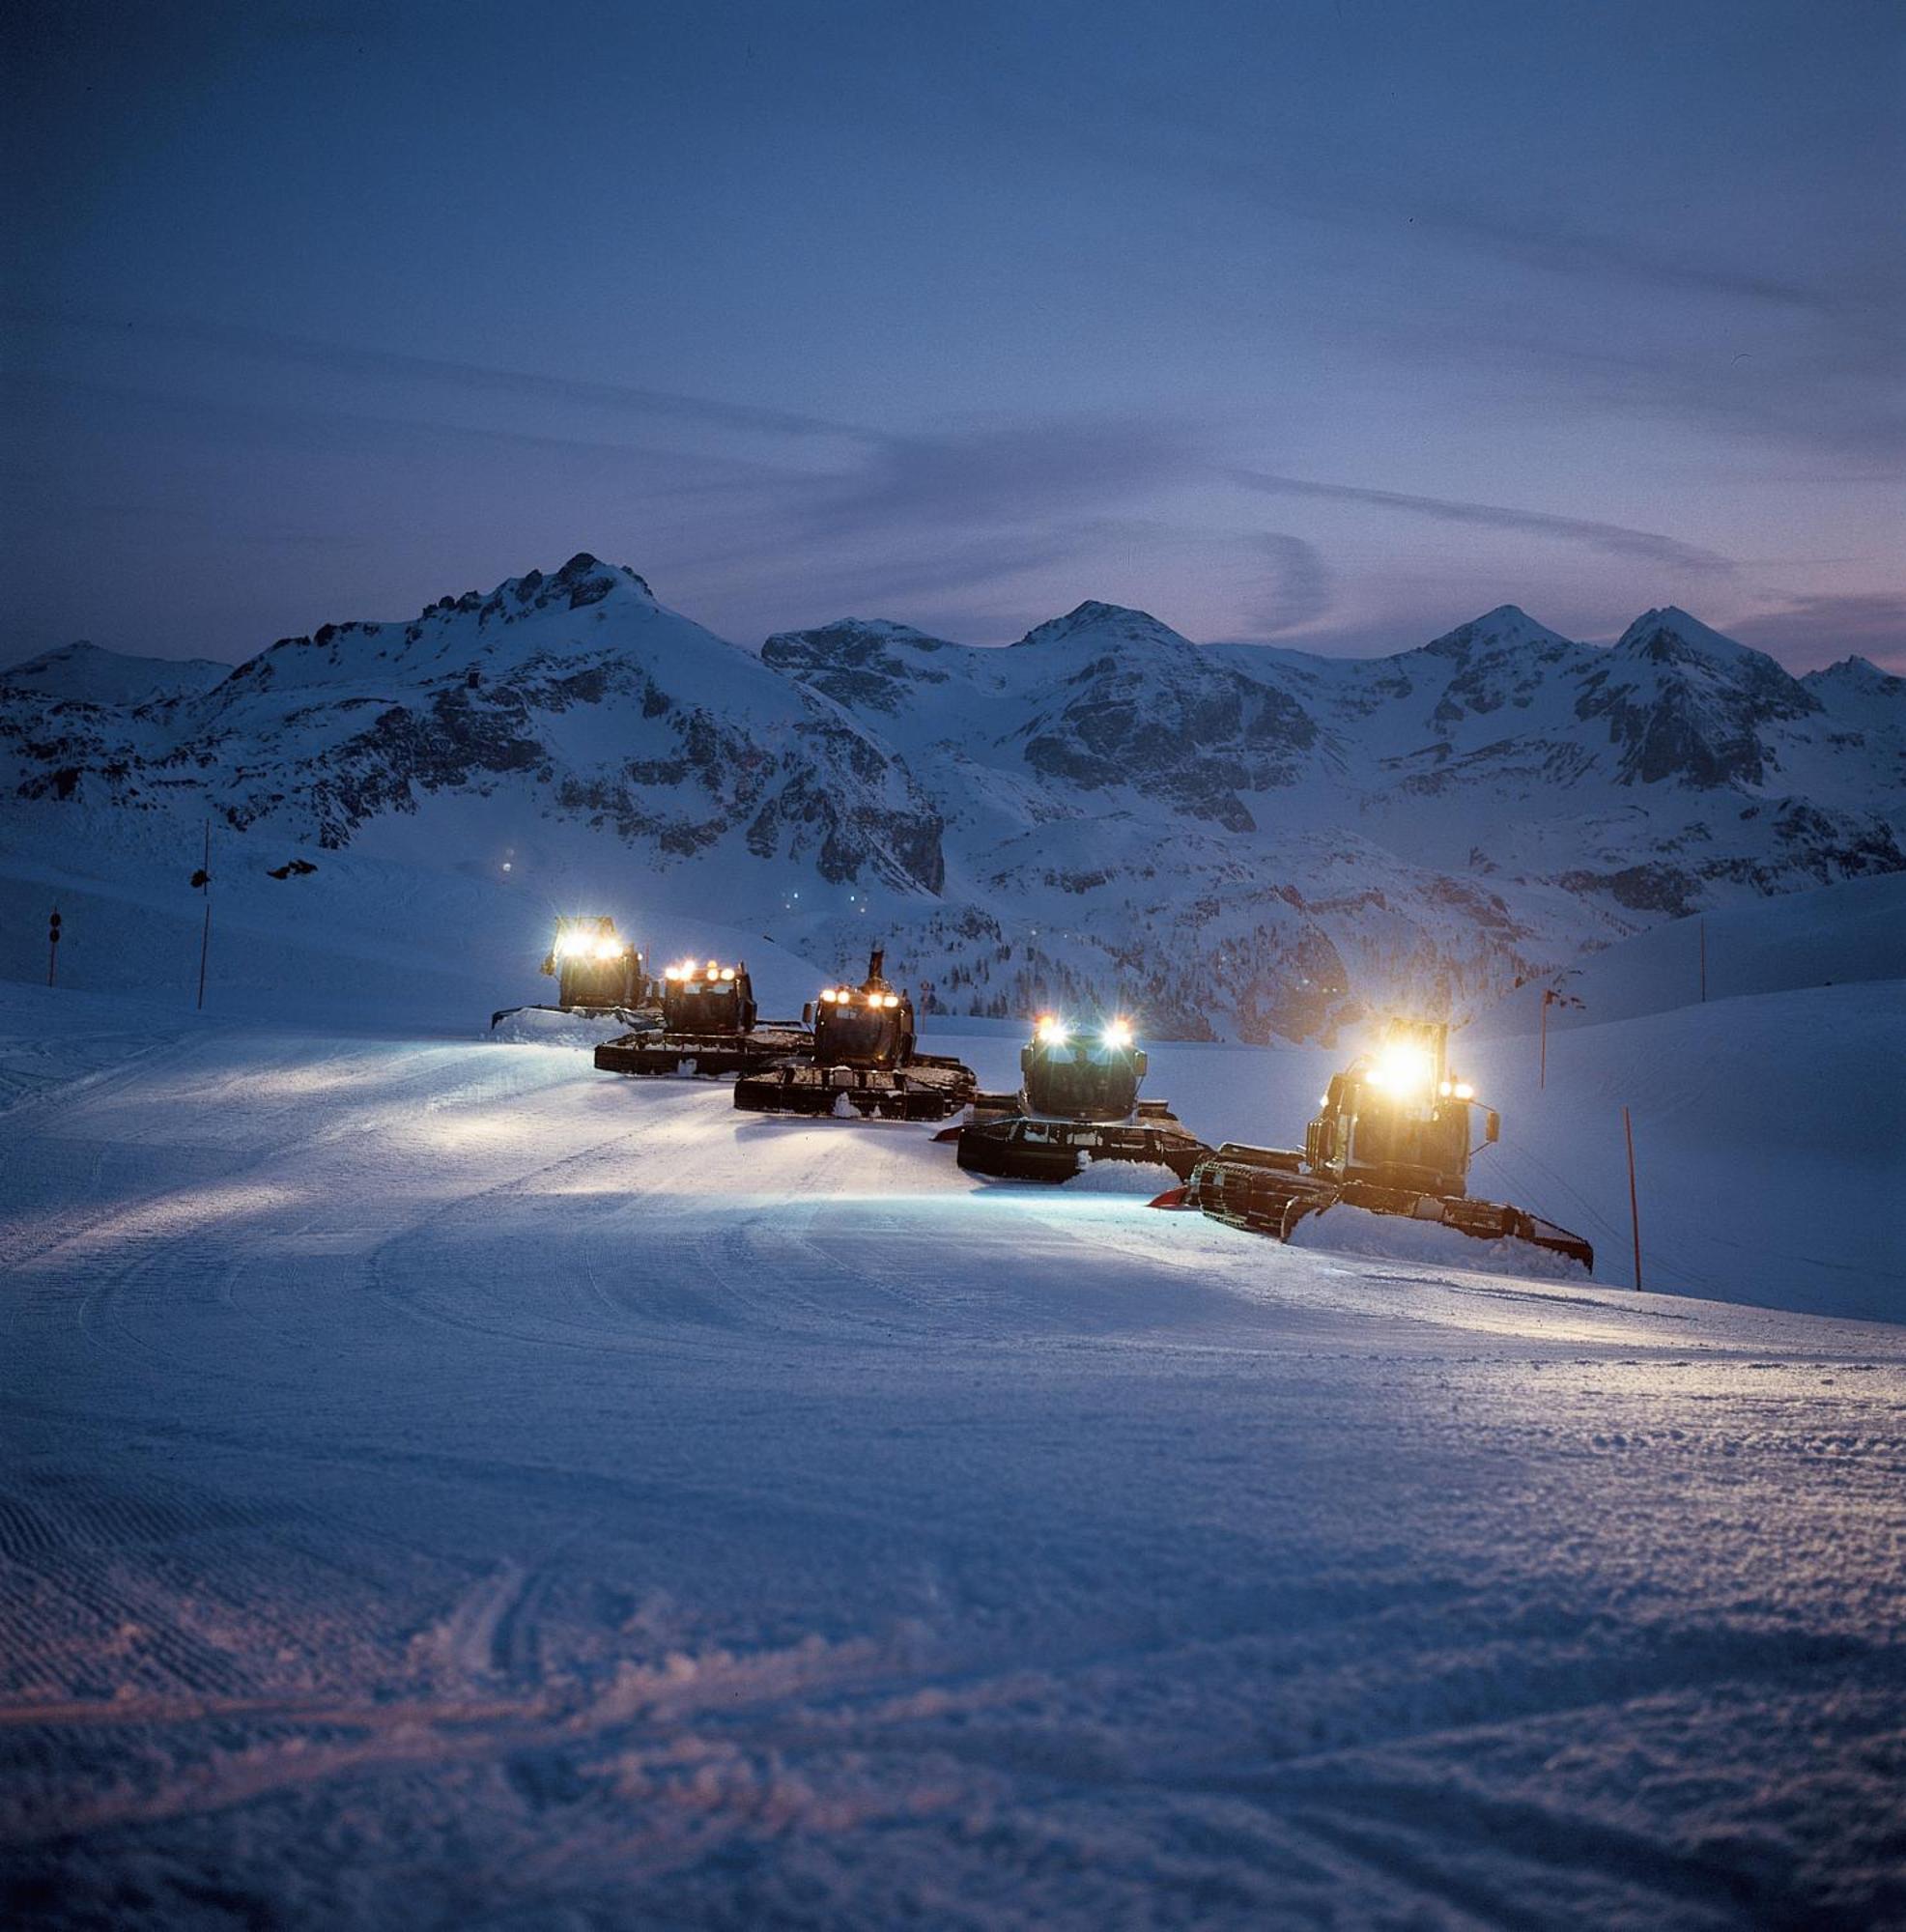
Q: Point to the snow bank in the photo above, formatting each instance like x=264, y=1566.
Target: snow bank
x=550, y=1026
x=1123, y=1177
x=1355, y=1231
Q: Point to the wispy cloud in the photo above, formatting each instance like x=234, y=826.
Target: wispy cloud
x=967, y=477
x=1828, y=391
x=1819, y=630
x=475, y=378
x=1612, y=539
x=1301, y=592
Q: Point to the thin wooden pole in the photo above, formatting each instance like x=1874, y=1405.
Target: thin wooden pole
x=52, y=944
x=205, y=939
x=1633, y=1205
x=1704, y=959
x=1541, y=1081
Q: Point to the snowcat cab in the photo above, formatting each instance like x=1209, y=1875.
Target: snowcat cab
x=862, y=1060
x=866, y=1026
x=708, y=999
x=1397, y=1117
x=591, y=966
x=595, y=971
x=710, y=1027
x=1077, y=1102
x=1393, y=1136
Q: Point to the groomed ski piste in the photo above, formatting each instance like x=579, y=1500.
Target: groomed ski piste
x=447, y=1485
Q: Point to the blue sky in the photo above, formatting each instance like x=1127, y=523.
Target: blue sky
x=1335, y=324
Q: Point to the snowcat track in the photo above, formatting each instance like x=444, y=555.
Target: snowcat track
x=1260, y=1189
x=700, y=1056
x=924, y=1090
x=1021, y=1147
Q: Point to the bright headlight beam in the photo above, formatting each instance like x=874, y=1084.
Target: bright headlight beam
x=1403, y=1067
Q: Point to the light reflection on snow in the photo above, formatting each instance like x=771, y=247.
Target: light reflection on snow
x=188, y=1211
x=281, y=1083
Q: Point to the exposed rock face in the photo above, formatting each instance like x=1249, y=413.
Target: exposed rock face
x=1682, y=701
x=1226, y=839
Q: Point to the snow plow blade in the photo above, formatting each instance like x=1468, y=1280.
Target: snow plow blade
x=701, y=1056
x=1263, y=1189
x=1021, y=1147
x=629, y=1016
x=926, y=1089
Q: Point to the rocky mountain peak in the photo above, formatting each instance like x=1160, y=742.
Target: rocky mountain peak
x=1217, y=831
x=1109, y=624
x=1506, y=628
x=1857, y=675
x=1671, y=634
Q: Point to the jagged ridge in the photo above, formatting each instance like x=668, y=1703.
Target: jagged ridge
x=1237, y=840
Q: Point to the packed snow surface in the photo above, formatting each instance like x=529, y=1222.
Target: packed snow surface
x=447, y=1487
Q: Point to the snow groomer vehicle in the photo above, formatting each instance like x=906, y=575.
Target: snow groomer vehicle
x=1078, y=1102
x=710, y=1027
x=1393, y=1137
x=597, y=974
x=862, y=1060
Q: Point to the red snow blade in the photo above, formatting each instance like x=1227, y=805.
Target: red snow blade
x=1173, y=1197
x=949, y=1133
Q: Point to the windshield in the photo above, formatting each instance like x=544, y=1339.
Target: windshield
x=1091, y=1083
x=604, y=977
x=1388, y=1135
x=698, y=1005
x=855, y=1033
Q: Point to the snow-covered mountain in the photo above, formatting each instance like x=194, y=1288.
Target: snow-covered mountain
x=1231, y=839
x=99, y=676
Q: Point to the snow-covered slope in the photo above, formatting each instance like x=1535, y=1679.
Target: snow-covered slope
x=1839, y=935
x=98, y=676
x=1229, y=840
x=448, y=1487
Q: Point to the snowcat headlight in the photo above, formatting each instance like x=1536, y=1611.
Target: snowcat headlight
x=890, y=999
x=1464, y=1090
x=1053, y=1033
x=1402, y=1068
x=827, y=995
x=607, y=948
x=1118, y=1035
x=728, y=973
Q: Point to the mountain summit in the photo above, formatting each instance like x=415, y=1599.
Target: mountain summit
x=1225, y=839
x=1112, y=625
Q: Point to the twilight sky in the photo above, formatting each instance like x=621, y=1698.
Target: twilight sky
x=1332, y=323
